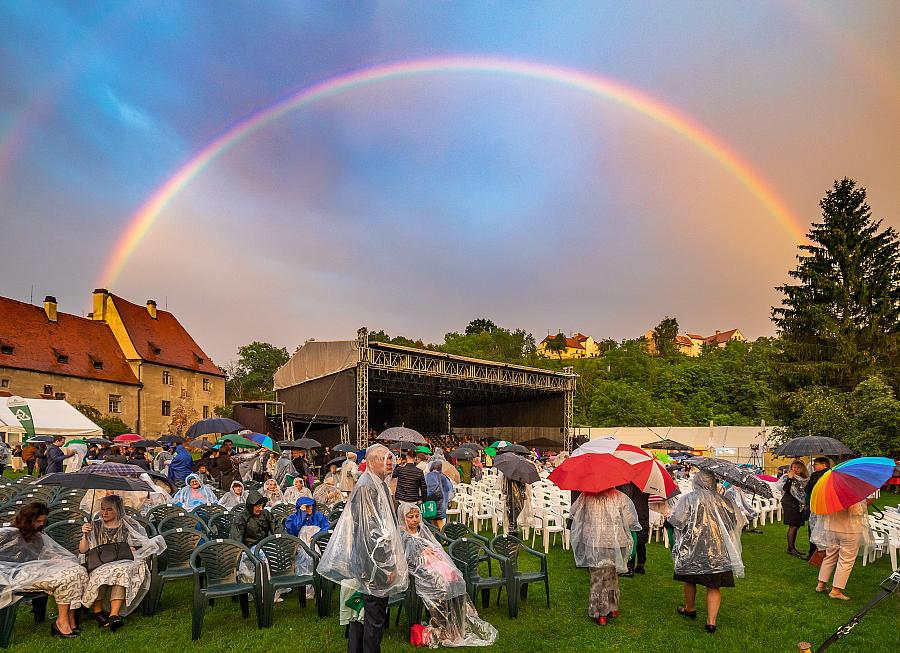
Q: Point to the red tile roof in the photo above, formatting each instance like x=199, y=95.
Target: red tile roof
x=685, y=341
x=719, y=338
x=162, y=341
x=38, y=344
x=694, y=336
x=571, y=343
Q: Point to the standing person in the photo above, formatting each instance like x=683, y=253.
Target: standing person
x=602, y=541
x=222, y=466
x=411, y=484
x=17, y=463
x=162, y=459
x=793, y=503
x=841, y=534
x=4, y=457
x=29, y=457
x=440, y=490
x=56, y=456
x=707, y=549
x=349, y=473
x=516, y=499
x=365, y=552
x=641, y=501
x=181, y=465
x=114, y=455
x=820, y=466
x=42, y=459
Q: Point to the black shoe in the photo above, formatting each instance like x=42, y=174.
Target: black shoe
x=710, y=628
x=639, y=569
x=115, y=623
x=690, y=614
x=102, y=618
x=56, y=632
x=627, y=574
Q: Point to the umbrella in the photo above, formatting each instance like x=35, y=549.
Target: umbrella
x=40, y=439
x=542, y=443
x=344, y=447
x=490, y=451
x=668, y=445
x=514, y=448
x=849, y=483
x=144, y=444
x=335, y=461
x=84, y=480
x=402, y=434
x=463, y=453
x=450, y=471
x=474, y=446
x=240, y=442
x=813, y=445
x=127, y=438
x=262, y=440
x=742, y=477
x=102, y=441
x=113, y=469
x=500, y=444
x=664, y=458
x=516, y=468
x=171, y=439
x=205, y=445
x=767, y=477
x=213, y=425
x=403, y=446
x=302, y=443
x=423, y=449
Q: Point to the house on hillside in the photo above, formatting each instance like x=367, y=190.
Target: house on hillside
x=577, y=346
x=691, y=344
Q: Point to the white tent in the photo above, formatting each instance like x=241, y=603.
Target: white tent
x=51, y=417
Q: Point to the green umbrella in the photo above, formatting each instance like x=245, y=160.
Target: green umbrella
x=239, y=442
x=423, y=449
x=76, y=441
x=664, y=457
x=490, y=451
x=500, y=444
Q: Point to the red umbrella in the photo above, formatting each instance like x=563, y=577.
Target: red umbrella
x=127, y=437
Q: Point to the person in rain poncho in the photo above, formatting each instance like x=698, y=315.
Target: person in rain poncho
x=707, y=548
x=441, y=586
x=349, y=473
x=272, y=492
x=253, y=524
x=296, y=490
x=327, y=495
x=181, y=464
x=332, y=473
x=162, y=459
x=284, y=467
x=122, y=582
x=194, y=494
x=306, y=515
x=516, y=499
x=234, y=497
x=440, y=489
x=602, y=526
x=365, y=553
x=31, y=561
x=74, y=462
x=841, y=534
x=734, y=494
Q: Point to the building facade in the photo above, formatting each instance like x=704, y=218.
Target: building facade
x=577, y=346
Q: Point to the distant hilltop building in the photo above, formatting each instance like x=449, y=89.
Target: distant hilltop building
x=577, y=346
x=127, y=360
x=691, y=344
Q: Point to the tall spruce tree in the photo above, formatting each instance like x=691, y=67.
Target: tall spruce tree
x=841, y=321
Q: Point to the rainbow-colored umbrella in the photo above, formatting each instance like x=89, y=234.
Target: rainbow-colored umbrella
x=849, y=483
x=264, y=441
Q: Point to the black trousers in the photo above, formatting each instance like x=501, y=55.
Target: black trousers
x=366, y=637
x=30, y=465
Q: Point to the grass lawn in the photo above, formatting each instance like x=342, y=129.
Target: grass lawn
x=771, y=609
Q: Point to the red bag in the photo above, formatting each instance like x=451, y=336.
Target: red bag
x=419, y=635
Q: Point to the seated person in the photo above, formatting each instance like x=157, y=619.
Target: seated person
x=441, y=586
x=296, y=490
x=194, y=494
x=254, y=524
x=272, y=492
x=235, y=496
x=31, y=561
x=306, y=516
x=123, y=581
x=327, y=495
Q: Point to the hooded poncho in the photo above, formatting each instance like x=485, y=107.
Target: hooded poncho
x=230, y=499
x=441, y=586
x=189, y=498
x=181, y=464
x=25, y=564
x=365, y=552
x=292, y=493
x=707, y=531
x=601, y=530
x=301, y=518
x=272, y=492
x=327, y=496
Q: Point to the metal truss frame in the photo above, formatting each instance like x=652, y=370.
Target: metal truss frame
x=362, y=389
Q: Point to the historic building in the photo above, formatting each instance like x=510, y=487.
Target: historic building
x=577, y=346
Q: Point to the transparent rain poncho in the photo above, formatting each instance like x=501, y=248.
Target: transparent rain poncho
x=707, y=531
x=348, y=473
x=441, y=586
x=231, y=499
x=327, y=496
x=516, y=499
x=601, y=530
x=40, y=563
x=829, y=530
x=190, y=498
x=738, y=498
x=365, y=552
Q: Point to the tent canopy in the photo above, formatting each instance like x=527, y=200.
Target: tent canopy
x=51, y=417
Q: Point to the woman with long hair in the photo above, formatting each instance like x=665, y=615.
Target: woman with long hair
x=794, y=503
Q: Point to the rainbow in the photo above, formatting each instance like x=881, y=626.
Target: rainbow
x=650, y=107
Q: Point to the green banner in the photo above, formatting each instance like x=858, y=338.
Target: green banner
x=20, y=410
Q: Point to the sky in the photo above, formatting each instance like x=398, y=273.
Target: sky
x=415, y=203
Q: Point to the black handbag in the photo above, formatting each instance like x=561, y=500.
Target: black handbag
x=100, y=555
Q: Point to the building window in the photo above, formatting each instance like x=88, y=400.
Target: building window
x=167, y=377
x=98, y=365
x=48, y=389
x=6, y=349
x=167, y=408
x=62, y=358
x=205, y=412
x=59, y=395
x=4, y=383
x=115, y=403
x=206, y=385
x=184, y=394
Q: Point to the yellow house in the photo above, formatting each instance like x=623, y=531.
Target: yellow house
x=577, y=346
x=691, y=344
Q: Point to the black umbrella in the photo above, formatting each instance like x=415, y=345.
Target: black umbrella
x=403, y=446
x=40, y=439
x=514, y=448
x=144, y=444
x=102, y=441
x=302, y=443
x=542, y=443
x=402, y=434
x=344, y=447
x=667, y=445
x=213, y=425
x=474, y=446
x=335, y=461
x=743, y=477
x=83, y=480
x=463, y=453
x=516, y=468
x=813, y=445
x=171, y=439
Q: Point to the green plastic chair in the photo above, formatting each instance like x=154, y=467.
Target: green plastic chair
x=453, y=531
x=38, y=602
x=66, y=514
x=466, y=553
x=326, y=587
x=207, y=511
x=184, y=520
x=66, y=533
x=278, y=553
x=157, y=513
x=509, y=547
x=282, y=511
x=172, y=564
x=220, y=525
x=214, y=566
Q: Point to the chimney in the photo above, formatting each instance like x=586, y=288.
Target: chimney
x=50, y=307
x=101, y=295
x=718, y=332
x=151, y=308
